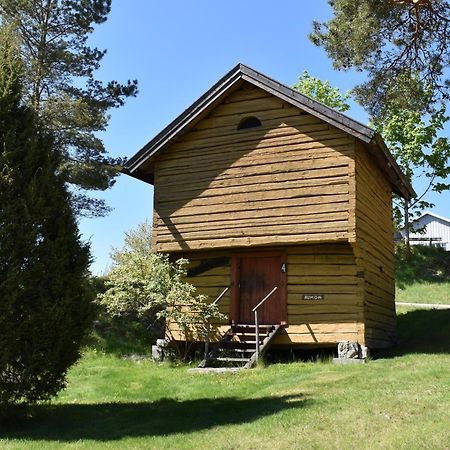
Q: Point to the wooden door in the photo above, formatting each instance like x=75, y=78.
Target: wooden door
x=255, y=275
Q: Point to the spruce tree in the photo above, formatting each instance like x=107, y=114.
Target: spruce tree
x=44, y=310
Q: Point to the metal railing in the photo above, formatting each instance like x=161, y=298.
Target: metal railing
x=208, y=325
x=256, y=311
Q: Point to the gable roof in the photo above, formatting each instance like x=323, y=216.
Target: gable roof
x=140, y=165
x=429, y=213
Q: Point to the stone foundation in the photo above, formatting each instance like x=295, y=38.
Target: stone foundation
x=352, y=350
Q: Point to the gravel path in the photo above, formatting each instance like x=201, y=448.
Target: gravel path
x=424, y=305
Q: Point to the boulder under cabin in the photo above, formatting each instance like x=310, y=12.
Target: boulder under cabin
x=261, y=187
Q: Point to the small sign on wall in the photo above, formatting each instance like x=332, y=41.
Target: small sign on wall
x=313, y=297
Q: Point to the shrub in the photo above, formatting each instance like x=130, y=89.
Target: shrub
x=152, y=287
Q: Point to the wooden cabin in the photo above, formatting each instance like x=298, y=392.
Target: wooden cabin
x=260, y=186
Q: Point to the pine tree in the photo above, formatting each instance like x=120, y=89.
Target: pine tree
x=402, y=45
x=44, y=311
x=60, y=85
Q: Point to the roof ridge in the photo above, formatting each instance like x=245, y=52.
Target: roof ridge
x=243, y=72
x=309, y=99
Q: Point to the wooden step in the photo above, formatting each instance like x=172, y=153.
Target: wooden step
x=251, y=328
x=263, y=349
x=230, y=359
x=244, y=341
x=251, y=332
x=236, y=350
x=241, y=350
x=251, y=339
x=246, y=345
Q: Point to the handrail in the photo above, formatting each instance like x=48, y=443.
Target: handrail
x=220, y=296
x=208, y=326
x=256, y=311
x=265, y=298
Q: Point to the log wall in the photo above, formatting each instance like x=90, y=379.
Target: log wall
x=374, y=250
x=284, y=182
x=296, y=184
x=328, y=269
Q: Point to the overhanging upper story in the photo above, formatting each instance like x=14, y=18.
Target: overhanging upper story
x=253, y=162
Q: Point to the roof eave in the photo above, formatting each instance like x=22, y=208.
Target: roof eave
x=184, y=119
x=404, y=187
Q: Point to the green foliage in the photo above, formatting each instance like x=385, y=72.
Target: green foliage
x=420, y=151
x=397, y=43
x=45, y=309
x=404, y=47
x=153, y=288
x=120, y=335
x=322, y=91
x=423, y=264
x=96, y=285
x=415, y=143
x=60, y=86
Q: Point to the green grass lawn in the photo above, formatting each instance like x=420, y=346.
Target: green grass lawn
x=399, y=400
x=424, y=292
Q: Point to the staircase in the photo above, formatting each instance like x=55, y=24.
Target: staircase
x=237, y=347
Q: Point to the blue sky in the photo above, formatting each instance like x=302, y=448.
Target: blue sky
x=177, y=50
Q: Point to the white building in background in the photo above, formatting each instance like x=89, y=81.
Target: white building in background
x=436, y=231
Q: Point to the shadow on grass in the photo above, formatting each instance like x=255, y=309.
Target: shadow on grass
x=112, y=421
x=422, y=331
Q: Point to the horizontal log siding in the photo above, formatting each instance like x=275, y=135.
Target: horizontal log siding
x=375, y=242
x=213, y=281
x=330, y=270
x=283, y=183
x=209, y=283
x=327, y=269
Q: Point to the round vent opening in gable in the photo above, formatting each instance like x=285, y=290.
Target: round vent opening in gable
x=249, y=122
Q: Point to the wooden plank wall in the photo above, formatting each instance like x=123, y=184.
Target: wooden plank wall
x=327, y=269
x=210, y=283
x=284, y=182
x=330, y=270
x=374, y=230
